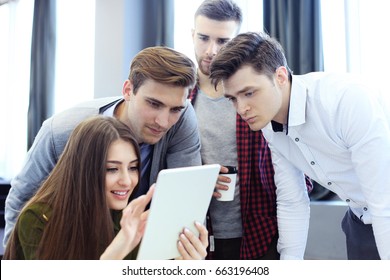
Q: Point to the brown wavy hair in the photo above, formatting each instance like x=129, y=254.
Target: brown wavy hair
x=81, y=225
x=256, y=49
x=163, y=65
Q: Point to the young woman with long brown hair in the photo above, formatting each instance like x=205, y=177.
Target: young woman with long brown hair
x=82, y=210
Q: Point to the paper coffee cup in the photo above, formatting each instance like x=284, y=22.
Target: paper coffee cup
x=228, y=195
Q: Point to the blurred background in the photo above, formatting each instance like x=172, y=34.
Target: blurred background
x=56, y=53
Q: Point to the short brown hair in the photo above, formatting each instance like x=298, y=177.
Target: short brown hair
x=257, y=50
x=163, y=65
x=220, y=10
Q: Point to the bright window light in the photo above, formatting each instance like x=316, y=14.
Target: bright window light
x=15, y=38
x=355, y=40
x=74, y=81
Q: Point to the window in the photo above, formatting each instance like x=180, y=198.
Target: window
x=355, y=38
x=75, y=51
x=15, y=38
x=74, y=79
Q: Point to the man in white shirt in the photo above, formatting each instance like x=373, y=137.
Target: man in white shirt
x=333, y=127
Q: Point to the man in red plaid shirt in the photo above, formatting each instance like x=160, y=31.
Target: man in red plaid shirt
x=245, y=228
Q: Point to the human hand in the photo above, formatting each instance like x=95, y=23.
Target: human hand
x=192, y=247
x=221, y=179
x=133, y=224
x=134, y=218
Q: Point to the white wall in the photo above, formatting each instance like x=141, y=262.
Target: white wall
x=109, y=47
x=116, y=42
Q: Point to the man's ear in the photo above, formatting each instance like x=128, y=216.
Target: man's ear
x=281, y=76
x=127, y=90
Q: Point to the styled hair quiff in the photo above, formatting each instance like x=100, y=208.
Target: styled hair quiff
x=258, y=50
x=80, y=226
x=220, y=10
x=163, y=65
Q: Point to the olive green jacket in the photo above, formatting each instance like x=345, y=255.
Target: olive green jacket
x=32, y=222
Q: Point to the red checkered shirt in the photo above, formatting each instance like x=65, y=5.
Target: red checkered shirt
x=257, y=190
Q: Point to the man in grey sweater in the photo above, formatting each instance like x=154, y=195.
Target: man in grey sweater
x=154, y=105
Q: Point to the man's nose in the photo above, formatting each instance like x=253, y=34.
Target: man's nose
x=162, y=118
x=212, y=49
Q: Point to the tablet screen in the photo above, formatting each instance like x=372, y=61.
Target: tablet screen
x=182, y=196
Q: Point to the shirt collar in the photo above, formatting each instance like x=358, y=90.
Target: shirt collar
x=296, y=114
x=109, y=110
x=298, y=98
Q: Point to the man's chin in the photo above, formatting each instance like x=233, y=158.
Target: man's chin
x=255, y=127
x=151, y=140
x=205, y=70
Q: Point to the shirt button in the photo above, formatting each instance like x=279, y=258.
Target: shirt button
x=329, y=183
x=365, y=208
x=297, y=139
x=312, y=163
x=347, y=200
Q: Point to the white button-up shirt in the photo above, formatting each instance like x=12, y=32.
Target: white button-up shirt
x=338, y=134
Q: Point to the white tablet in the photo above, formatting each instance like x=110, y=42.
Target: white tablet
x=182, y=196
